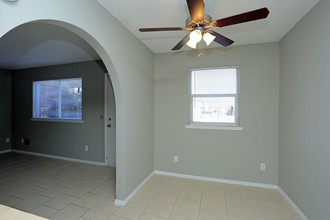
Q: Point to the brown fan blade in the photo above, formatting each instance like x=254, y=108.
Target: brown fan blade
x=196, y=9
x=241, y=18
x=220, y=39
x=181, y=43
x=161, y=29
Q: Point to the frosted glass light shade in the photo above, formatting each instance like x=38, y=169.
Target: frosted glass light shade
x=208, y=38
x=195, y=37
x=192, y=44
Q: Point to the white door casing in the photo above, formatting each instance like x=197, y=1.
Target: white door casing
x=109, y=122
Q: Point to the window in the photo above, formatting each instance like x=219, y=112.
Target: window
x=214, y=96
x=57, y=99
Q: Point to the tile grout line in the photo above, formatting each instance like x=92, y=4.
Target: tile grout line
x=176, y=201
x=253, y=208
x=200, y=203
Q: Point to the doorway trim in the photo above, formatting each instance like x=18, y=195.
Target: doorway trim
x=105, y=119
x=110, y=145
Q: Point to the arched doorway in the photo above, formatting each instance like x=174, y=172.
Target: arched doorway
x=131, y=67
x=112, y=75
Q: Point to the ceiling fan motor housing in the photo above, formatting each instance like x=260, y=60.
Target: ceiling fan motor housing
x=192, y=25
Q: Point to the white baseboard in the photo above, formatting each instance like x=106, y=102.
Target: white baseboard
x=294, y=206
x=59, y=157
x=124, y=202
x=5, y=151
x=210, y=179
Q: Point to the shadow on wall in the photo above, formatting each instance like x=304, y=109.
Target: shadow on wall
x=40, y=44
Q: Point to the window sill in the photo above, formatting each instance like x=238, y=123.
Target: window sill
x=58, y=120
x=210, y=127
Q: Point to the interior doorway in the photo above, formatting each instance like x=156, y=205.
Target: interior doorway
x=89, y=47
x=109, y=122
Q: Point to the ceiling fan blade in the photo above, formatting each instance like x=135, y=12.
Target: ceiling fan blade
x=161, y=29
x=196, y=9
x=241, y=18
x=220, y=39
x=181, y=43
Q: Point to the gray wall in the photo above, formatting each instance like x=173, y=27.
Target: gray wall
x=60, y=138
x=5, y=109
x=304, y=152
x=234, y=155
x=130, y=64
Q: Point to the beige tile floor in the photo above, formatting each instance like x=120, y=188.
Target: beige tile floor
x=63, y=190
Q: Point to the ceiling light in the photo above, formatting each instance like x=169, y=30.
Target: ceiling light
x=192, y=44
x=195, y=37
x=208, y=38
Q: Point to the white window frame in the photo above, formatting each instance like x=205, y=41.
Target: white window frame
x=214, y=125
x=36, y=102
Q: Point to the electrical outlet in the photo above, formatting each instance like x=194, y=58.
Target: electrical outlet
x=176, y=158
x=26, y=141
x=262, y=167
x=7, y=140
x=22, y=141
x=86, y=148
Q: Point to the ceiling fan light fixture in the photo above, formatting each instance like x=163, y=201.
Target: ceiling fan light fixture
x=192, y=44
x=199, y=24
x=208, y=38
x=195, y=37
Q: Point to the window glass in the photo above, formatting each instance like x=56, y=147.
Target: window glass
x=48, y=93
x=214, y=109
x=71, y=93
x=214, y=96
x=214, y=81
x=57, y=99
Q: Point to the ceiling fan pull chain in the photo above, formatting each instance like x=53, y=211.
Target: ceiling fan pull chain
x=201, y=53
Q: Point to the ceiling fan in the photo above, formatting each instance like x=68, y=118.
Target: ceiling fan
x=199, y=25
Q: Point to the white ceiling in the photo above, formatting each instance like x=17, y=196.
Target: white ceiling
x=40, y=44
x=133, y=14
